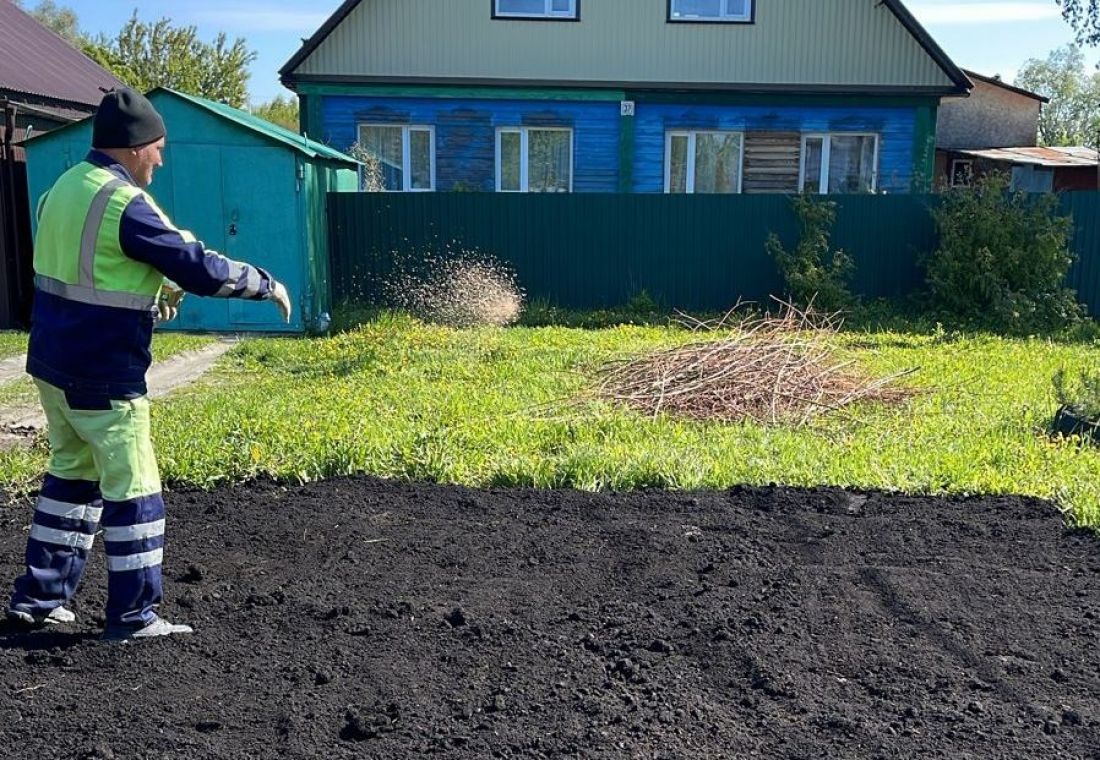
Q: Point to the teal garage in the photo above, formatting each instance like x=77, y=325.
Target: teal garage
x=247, y=188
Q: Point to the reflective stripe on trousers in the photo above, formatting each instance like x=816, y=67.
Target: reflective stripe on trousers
x=102, y=473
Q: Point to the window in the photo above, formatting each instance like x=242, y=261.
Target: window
x=962, y=172
x=404, y=158
x=545, y=9
x=703, y=162
x=727, y=11
x=534, y=160
x=839, y=163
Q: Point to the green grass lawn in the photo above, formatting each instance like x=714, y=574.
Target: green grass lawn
x=12, y=343
x=400, y=399
x=21, y=392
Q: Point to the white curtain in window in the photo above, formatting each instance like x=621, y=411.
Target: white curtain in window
x=678, y=164
x=548, y=161
x=385, y=144
x=815, y=147
x=420, y=158
x=717, y=162
x=510, y=161
x=851, y=163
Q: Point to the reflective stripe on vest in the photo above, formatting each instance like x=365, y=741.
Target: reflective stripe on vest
x=90, y=235
x=81, y=259
x=92, y=296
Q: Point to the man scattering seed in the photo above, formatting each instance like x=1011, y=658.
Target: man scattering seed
x=102, y=253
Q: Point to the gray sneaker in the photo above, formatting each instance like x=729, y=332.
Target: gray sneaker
x=157, y=628
x=38, y=619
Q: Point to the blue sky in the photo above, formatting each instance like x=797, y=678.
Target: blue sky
x=987, y=36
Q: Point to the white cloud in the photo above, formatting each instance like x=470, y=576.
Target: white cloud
x=983, y=13
x=261, y=19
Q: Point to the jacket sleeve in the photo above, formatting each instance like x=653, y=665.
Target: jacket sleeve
x=146, y=235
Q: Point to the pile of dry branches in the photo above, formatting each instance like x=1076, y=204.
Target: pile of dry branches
x=766, y=368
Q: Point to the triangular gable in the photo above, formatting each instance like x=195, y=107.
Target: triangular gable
x=959, y=83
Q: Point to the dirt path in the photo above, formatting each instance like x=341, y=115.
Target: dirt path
x=363, y=619
x=20, y=425
x=12, y=368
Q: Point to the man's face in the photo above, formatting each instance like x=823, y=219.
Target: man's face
x=146, y=160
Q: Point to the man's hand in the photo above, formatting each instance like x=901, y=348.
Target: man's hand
x=168, y=303
x=282, y=299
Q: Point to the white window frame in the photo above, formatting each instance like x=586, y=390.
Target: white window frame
x=723, y=18
x=547, y=13
x=406, y=153
x=524, y=169
x=956, y=162
x=692, y=135
x=826, y=154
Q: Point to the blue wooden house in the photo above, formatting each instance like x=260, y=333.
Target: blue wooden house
x=642, y=96
x=247, y=188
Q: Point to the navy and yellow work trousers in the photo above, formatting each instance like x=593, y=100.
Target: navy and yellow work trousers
x=102, y=473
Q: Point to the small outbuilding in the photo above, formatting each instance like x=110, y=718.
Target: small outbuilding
x=247, y=188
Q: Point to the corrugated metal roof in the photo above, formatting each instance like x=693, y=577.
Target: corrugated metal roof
x=311, y=148
x=1038, y=156
x=36, y=61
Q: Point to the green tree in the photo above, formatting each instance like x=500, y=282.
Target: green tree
x=59, y=18
x=815, y=273
x=157, y=54
x=1084, y=17
x=152, y=54
x=1002, y=258
x=280, y=110
x=1073, y=115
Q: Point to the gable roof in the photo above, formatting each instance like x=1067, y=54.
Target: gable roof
x=909, y=21
x=319, y=36
x=271, y=132
x=36, y=61
x=959, y=79
x=996, y=82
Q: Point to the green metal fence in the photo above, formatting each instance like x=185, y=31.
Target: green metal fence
x=1085, y=275
x=696, y=252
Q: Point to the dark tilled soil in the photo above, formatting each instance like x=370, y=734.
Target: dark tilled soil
x=363, y=619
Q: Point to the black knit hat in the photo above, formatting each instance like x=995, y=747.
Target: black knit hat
x=126, y=119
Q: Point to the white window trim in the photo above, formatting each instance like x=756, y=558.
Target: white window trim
x=406, y=153
x=955, y=162
x=722, y=17
x=691, y=135
x=524, y=178
x=826, y=154
x=548, y=11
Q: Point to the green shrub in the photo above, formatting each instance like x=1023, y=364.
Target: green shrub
x=1079, y=393
x=813, y=272
x=1002, y=258
x=643, y=304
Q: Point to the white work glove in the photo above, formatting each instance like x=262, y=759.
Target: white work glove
x=282, y=299
x=168, y=302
